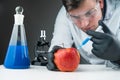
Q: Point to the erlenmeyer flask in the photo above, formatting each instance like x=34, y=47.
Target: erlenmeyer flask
x=17, y=56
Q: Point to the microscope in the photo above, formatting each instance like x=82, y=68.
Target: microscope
x=40, y=50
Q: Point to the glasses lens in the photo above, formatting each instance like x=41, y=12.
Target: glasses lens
x=91, y=13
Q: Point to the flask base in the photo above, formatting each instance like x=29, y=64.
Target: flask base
x=16, y=67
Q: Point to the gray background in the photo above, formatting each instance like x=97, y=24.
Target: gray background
x=39, y=14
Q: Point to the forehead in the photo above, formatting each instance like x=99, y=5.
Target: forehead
x=86, y=5
x=86, y=2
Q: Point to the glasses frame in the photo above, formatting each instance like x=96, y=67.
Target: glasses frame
x=91, y=13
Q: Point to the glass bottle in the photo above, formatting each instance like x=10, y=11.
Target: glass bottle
x=17, y=56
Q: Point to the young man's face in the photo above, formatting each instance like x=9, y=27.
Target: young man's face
x=87, y=15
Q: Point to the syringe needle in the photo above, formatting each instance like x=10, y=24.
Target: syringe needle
x=84, y=42
x=88, y=38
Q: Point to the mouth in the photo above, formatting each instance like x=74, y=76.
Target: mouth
x=88, y=28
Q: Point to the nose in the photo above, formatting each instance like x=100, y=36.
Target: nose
x=84, y=22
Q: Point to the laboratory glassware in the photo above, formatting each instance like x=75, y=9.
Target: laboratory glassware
x=17, y=56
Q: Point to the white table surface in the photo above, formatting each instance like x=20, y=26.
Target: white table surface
x=83, y=72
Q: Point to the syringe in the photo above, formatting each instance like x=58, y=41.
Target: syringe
x=88, y=38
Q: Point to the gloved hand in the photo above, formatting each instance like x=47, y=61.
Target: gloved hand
x=51, y=65
x=105, y=45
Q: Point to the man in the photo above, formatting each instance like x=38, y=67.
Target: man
x=80, y=18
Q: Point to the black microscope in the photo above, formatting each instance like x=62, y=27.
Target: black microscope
x=40, y=50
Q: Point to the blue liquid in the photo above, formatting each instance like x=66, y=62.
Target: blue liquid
x=84, y=42
x=17, y=57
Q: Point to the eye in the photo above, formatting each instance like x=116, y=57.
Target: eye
x=90, y=13
x=75, y=17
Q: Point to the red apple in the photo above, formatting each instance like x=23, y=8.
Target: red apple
x=67, y=59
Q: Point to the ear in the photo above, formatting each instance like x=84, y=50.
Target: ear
x=101, y=3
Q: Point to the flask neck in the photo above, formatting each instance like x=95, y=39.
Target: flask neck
x=18, y=19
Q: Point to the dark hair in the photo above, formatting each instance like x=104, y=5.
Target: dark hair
x=72, y=4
